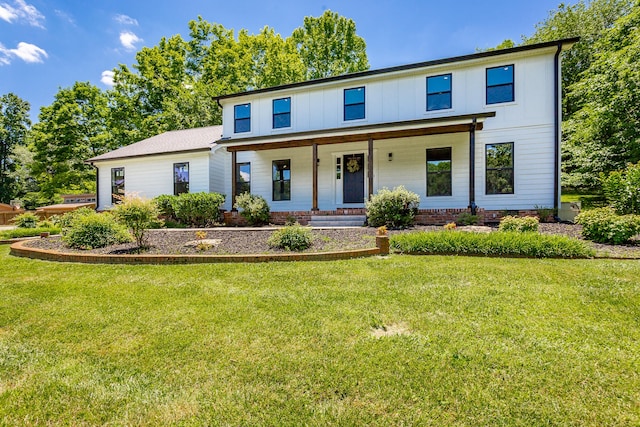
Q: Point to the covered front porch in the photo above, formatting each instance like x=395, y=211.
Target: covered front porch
x=333, y=172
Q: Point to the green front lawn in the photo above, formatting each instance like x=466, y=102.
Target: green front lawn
x=480, y=341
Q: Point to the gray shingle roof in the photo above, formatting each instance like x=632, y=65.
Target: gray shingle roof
x=169, y=142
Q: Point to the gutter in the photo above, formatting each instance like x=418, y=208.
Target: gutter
x=557, y=123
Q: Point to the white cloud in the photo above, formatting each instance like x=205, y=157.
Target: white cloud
x=129, y=40
x=125, y=20
x=65, y=16
x=107, y=78
x=25, y=51
x=21, y=11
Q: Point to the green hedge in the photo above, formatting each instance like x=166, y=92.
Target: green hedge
x=27, y=232
x=603, y=225
x=506, y=243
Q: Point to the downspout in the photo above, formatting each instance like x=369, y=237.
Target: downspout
x=557, y=123
x=97, y=184
x=472, y=167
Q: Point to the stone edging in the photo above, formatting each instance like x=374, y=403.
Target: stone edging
x=19, y=249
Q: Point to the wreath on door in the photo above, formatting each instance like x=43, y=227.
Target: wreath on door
x=353, y=165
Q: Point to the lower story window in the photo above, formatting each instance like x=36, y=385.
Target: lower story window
x=439, y=172
x=281, y=180
x=499, y=168
x=243, y=178
x=180, y=178
x=117, y=185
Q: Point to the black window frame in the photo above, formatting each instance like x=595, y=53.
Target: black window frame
x=279, y=180
x=354, y=105
x=238, y=121
x=280, y=116
x=117, y=190
x=441, y=92
x=493, y=171
x=180, y=187
x=435, y=153
x=241, y=185
x=512, y=84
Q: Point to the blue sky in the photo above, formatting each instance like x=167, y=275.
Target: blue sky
x=49, y=44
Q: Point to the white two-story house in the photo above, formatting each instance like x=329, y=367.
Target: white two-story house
x=478, y=133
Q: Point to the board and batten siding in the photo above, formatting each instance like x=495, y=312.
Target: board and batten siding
x=400, y=96
x=151, y=176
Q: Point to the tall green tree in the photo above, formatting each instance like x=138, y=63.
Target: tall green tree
x=71, y=130
x=329, y=46
x=14, y=125
x=604, y=133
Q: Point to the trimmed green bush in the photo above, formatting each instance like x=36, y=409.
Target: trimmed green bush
x=138, y=215
x=255, y=209
x=165, y=204
x=198, y=209
x=67, y=219
x=26, y=220
x=603, y=225
x=27, y=232
x=95, y=230
x=622, y=189
x=395, y=208
x=518, y=224
x=506, y=243
x=291, y=238
x=466, y=218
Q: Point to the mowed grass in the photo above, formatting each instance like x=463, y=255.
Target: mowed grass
x=481, y=341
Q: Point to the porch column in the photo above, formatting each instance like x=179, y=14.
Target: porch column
x=234, y=180
x=314, y=168
x=472, y=167
x=370, y=168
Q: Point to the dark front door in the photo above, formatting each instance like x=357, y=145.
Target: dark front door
x=353, y=182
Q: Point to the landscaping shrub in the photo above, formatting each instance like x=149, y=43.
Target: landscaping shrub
x=26, y=220
x=27, y=232
x=395, y=208
x=198, y=209
x=254, y=208
x=622, y=189
x=67, y=219
x=518, y=224
x=292, y=238
x=94, y=230
x=466, y=218
x=138, y=215
x=545, y=214
x=603, y=225
x=165, y=204
x=491, y=244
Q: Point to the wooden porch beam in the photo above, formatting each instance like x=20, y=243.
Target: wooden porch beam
x=370, y=168
x=358, y=137
x=314, y=149
x=234, y=180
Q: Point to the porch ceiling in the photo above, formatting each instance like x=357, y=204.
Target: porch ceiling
x=431, y=126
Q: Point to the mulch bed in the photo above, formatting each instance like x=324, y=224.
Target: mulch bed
x=230, y=241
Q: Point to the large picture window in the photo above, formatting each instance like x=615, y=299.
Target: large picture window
x=499, y=173
x=117, y=184
x=180, y=178
x=281, y=180
x=500, y=84
x=282, y=113
x=439, y=172
x=439, y=92
x=354, y=103
x=243, y=177
x=242, y=118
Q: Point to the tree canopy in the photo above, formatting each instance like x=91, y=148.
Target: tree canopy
x=14, y=125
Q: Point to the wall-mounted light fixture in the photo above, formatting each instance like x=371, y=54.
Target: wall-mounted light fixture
x=390, y=156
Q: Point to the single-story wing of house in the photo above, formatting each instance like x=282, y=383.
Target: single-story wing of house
x=478, y=133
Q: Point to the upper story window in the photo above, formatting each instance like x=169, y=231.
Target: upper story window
x=354, y=103
x=180, y=178
x=439, y=92
x=117, y=185
x=282, y=113
x=242, y=118
x=499, y=168
x=500, y=84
